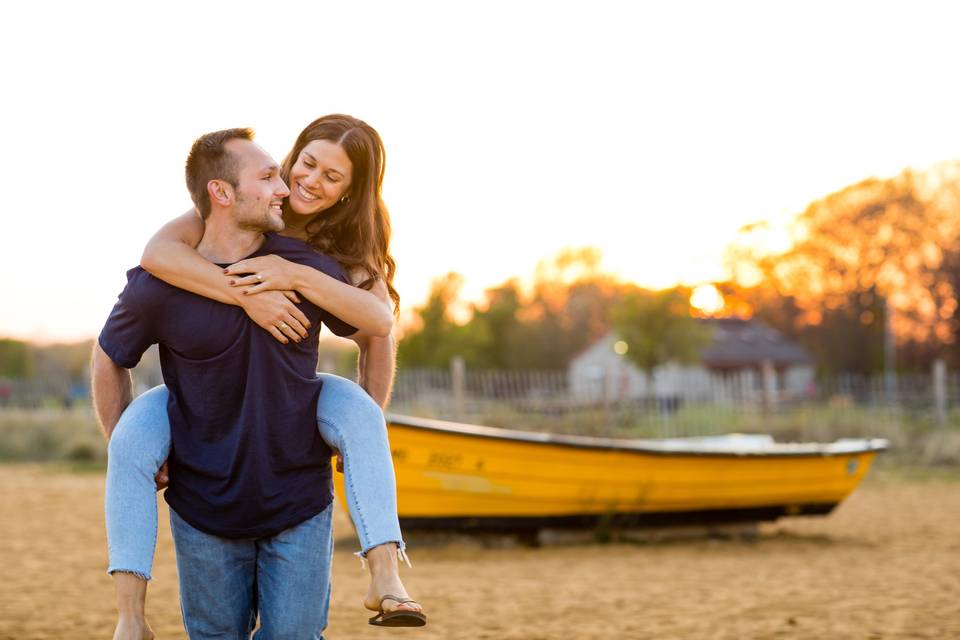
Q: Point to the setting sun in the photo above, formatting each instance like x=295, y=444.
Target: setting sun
x=706, y=299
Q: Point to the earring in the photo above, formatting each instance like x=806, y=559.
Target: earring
x=344, y=200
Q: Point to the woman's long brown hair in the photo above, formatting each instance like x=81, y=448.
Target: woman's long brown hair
x=356, y=230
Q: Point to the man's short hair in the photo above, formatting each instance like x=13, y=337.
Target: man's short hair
x=210, y=160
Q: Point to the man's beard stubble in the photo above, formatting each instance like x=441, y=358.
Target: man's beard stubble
x=251, y=219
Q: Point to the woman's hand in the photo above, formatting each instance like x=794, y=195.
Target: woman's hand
x=163, y=476
x=275, y=311
x=266, y=273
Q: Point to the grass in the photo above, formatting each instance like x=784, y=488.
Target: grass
x=72, y=435
x=39, y=435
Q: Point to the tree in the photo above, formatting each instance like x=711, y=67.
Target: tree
x=878, y=246
x=567, y=310
x=15, y=359
x=436, y=339
x=658, y=328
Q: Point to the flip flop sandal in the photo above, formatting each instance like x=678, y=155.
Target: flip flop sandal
x=401, y=618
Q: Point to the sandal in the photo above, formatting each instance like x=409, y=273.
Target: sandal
x=399, y=618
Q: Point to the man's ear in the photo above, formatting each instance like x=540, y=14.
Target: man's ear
x=221, y=192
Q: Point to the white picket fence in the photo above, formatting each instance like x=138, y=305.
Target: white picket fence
x=848, y=404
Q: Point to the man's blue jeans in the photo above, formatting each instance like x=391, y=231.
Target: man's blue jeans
x=225, y=582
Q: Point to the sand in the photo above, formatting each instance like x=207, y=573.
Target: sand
x=886, y=564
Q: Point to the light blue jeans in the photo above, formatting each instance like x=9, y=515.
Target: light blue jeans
x=348, y=419
x=224, y=583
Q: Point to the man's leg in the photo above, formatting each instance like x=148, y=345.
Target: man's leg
x=217, y=583
x=293, y=580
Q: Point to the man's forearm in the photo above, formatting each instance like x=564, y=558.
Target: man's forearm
x=111, y=388
x=376, y=366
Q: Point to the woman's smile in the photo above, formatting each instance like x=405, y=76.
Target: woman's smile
x=305, y=194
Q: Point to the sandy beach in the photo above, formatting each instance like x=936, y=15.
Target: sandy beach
x=886, y=564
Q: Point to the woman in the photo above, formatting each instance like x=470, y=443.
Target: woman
x=335, y=175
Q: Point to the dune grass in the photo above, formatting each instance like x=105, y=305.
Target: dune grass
x=72, y=435
x=51, y=434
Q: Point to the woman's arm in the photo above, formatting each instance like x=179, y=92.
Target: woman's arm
x=171, y=255
x=369, y=311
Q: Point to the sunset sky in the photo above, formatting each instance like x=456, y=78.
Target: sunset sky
x=513, y=129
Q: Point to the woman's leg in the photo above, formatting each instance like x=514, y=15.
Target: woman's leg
x=351, y=422
x=138, y=446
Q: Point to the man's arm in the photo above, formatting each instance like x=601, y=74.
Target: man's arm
x=377, y=361
x=111, y=387
x=376, y=366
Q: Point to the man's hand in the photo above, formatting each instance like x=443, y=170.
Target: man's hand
x=163, y=476
x=339, y=461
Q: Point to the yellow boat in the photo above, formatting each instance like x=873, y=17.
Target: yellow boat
x=469, y=477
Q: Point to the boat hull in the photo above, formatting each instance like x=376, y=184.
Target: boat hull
x=474, y=478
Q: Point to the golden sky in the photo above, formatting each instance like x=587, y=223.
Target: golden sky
x=513, y=130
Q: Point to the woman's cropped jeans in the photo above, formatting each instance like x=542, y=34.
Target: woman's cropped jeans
x=348, y=419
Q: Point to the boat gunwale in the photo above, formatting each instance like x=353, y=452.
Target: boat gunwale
x=819, y=450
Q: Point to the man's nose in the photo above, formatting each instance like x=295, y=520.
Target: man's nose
x=283, y=191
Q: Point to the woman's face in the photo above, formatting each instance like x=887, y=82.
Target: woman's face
x=319, y=178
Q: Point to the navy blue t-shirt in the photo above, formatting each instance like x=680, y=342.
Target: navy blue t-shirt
x=246, y=459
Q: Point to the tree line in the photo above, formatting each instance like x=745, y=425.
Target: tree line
x=570, y=305
x=21, y=360
x=877, y=257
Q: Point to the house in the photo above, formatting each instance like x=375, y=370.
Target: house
x=744, y=360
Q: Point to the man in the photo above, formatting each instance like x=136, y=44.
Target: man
x=250, y=494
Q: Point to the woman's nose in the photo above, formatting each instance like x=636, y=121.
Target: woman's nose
x=313, y=179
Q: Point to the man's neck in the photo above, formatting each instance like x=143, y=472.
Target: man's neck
x=224, y=242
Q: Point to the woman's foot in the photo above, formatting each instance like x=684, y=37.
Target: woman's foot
x=380, y=588
x=385, y=581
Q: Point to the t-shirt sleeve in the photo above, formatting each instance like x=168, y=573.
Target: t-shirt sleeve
x=338, y=326
x=128, y=332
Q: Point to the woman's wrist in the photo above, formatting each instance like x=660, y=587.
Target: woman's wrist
x=301, y=273
x=236, y=295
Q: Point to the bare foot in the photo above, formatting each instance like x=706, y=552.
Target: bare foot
x=131, y=628
x=385, y=580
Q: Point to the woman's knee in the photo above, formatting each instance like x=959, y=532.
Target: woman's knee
x=351, y=409
x=142, y=435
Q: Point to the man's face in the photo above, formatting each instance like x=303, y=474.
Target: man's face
x=260, y=190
